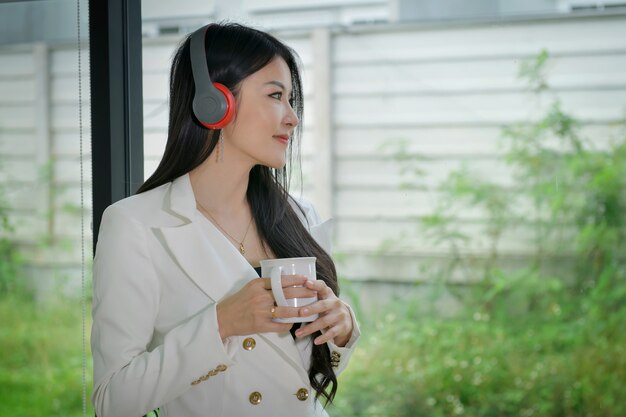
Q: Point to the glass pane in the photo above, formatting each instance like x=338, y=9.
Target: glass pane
x=475, y=173
x=45, y=216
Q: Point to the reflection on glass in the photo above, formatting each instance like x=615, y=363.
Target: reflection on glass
x=40, y=211
x=477, y=178
x=479, y=223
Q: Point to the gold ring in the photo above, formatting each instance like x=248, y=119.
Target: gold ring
x=273, y=311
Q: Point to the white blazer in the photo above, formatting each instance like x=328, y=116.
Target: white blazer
x=158, y=275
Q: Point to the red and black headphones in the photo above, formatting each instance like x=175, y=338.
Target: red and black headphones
x=213, y=103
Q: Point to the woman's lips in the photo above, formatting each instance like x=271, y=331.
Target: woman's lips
x=283, y=139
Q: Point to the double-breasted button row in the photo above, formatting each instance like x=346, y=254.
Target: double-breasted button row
x=302, y=394
x=249, y=343
x=335, y=357
x=255, y=398
x=212, y=372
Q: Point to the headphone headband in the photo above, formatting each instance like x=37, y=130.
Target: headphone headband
x=213, y=104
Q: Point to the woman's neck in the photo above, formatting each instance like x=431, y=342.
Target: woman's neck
x=220, y=187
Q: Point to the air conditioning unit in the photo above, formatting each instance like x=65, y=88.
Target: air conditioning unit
x=437, y=10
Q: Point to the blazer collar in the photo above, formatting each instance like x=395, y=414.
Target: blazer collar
x=211, y=261
x=204, y=253
x=181, y=201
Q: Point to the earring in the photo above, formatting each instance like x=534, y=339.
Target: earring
x=219, y=155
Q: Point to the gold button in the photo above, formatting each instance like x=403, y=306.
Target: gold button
x=249, y=343
x=255, y=398
x=220, y=368
x=302, y=394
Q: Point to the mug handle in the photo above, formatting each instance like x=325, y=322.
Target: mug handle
x=277, y=286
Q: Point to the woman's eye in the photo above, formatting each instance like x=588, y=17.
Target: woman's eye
x=279, y=95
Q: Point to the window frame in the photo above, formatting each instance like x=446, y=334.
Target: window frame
x=116, y=103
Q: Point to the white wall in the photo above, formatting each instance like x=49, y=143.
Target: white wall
x=446, y=90
x=40, y=158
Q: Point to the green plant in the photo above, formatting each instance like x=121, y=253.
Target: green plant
x=11, y=279
x=41, y=361
x=481, y=365
x=567, y=190
x=540, y=335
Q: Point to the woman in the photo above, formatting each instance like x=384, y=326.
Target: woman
x=181, y=319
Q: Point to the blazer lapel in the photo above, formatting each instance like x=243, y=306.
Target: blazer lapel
x=196, y=258
x=208, y=259
x=287, y=346
x=322, y=231
x=211, y=261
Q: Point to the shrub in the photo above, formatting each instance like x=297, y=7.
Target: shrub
x=41, y=361
x=479, y=365
x=11, y=280
x=533, y=340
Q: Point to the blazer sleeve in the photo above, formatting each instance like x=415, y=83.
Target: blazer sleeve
x=322, y=233
x=129, y=380
x=340, y=356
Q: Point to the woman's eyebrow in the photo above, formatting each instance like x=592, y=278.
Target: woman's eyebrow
x=276, y=83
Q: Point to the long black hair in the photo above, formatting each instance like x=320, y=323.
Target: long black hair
x=233, y=53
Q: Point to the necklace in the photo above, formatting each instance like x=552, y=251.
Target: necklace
x=242, y=249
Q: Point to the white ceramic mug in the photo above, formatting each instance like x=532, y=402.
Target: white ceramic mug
x=275, y=268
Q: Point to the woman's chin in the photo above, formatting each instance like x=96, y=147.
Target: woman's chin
x=280, y=164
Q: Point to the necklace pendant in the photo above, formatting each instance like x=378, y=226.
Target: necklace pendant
x=242, y=249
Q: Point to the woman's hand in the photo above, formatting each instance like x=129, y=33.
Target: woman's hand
x=249, y=310
x=334, y=316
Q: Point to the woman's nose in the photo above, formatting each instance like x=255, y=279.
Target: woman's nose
x=291, y=118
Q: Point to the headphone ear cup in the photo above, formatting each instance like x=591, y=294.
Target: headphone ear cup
x=230, y=106
x=215, y=106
